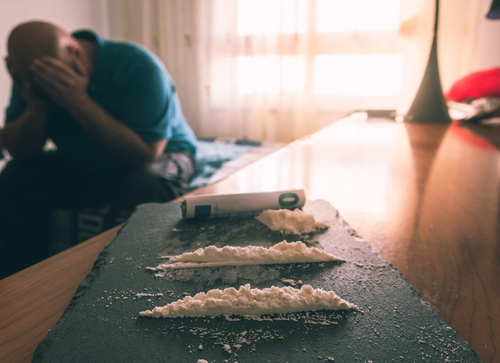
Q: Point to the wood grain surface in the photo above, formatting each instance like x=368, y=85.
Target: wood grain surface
x=425, y=197
x=33, y=300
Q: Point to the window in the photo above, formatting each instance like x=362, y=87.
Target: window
x=358, y=74
x=272, y=74
x=272, y=17
x=337, y=16
x=324, y=47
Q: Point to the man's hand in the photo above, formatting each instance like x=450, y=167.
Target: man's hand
x=65, y=86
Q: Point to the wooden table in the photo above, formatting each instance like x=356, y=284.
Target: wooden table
x=425, y=197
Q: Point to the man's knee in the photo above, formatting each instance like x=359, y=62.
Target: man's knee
x=142, y=186
x=11, y=179
x=25, y=181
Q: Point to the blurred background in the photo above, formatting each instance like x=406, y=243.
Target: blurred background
x=281, y=69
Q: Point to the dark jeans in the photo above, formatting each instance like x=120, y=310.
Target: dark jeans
x=30, y=189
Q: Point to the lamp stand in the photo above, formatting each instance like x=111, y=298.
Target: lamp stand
x=429, y=104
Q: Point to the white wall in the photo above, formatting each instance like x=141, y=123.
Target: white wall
x=467, y=40
x=487, y=53
x=69, y=14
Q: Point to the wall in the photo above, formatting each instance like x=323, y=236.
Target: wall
x=487, y=53
x=69, y=14
x=467, y=40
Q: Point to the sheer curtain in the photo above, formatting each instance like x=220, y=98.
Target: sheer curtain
x=282, y=69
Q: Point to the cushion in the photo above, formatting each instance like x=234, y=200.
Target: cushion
x=480, y=84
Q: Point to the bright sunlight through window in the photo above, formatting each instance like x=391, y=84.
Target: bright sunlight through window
x=370, y=74
x=357, y=15
x=358, y=74
x=270, y=74
x=272, y=17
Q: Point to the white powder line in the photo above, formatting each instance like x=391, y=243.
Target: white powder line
x=280, y=253
x=247, y=301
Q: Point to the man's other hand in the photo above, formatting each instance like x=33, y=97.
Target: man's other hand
x=65, y=86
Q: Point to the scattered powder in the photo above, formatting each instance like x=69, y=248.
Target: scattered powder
x=292, y=281
x=228, y=276
x=287, y=221
x=139, y=295
x=247, y=301
x=222, y=335
x=283, y=252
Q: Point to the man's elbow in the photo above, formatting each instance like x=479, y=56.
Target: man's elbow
x=148, y=158
x=148, y=154
x=156, y=149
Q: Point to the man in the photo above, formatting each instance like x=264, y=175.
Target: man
x=111, y=110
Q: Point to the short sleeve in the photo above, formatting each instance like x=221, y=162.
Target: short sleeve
x=145, y=102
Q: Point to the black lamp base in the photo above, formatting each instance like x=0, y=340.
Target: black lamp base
x=429, y=105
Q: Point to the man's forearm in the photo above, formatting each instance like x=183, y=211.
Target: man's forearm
x=25, y=136
x=119, y=139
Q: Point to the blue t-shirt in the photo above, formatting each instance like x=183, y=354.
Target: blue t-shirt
x=133, y=86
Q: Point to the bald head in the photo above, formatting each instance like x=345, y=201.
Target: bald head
x=32, y=40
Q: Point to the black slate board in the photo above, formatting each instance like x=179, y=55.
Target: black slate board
x=102, y=324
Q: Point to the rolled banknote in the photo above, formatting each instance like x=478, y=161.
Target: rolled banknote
x=214, y=205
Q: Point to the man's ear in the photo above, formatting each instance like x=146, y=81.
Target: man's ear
x=78, y=59
x=73, y=50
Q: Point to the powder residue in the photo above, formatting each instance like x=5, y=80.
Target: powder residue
x=283, y=252
x=287, y=221
x=247, y=301
x=139, y=295
x=291, y=282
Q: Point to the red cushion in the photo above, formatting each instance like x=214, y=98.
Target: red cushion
x=476, y=85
